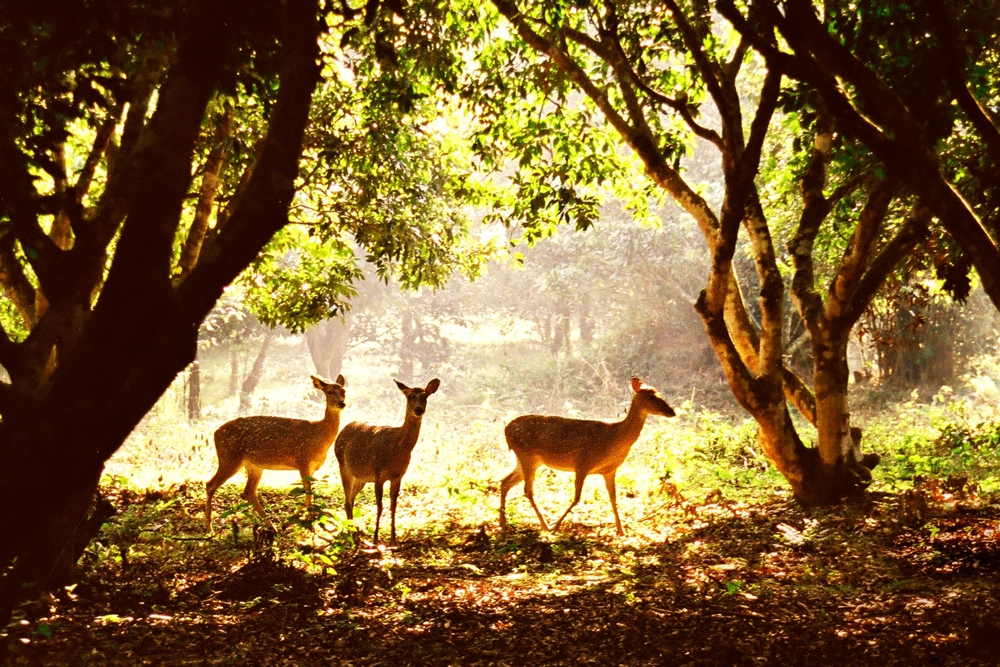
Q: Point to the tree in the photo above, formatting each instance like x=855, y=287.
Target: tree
x=914, y=82
x=110, y=268
x=645, y=69
x=114, y=356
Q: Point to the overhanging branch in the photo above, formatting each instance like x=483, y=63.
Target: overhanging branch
x=263, y=209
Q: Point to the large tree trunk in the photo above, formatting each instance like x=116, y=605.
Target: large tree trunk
x=143, y=331
x=96, y=399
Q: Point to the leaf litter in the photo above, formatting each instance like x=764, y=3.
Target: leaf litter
x=902, y=579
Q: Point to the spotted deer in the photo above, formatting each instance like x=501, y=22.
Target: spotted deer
x=381, y=453
x=275, y=443
x=583, y=446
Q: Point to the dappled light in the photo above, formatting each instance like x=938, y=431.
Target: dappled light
x=503, y=332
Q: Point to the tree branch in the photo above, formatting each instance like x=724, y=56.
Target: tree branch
x=815, y=208
x=161, y=163
x=112, y=208
x=709, y=72
x=643, y=144
x=855, y=259
x=15, y=283
x=206, y=196
x=954, y=70
x=632, y=135
x=612, y=55
x=17, y=203
x=913, y=231
x=615, y=56
x=801, y=66
x=263, y=210
x=86, y=175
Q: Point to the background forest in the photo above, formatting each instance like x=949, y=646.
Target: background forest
x=783, y=216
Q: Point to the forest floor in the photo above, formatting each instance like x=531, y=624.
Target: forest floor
x=900, y=579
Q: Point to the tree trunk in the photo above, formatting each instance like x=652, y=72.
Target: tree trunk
x=407, y=343
x=194, y=392
x=142, y=332
x=97, y=398
x=253, y=377
x=586, y=321
x=328, y=343
x=234, y=368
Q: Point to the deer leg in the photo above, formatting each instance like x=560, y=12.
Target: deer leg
x=350, y=493
x=250, y=490
x=529, y=492
x=393, y=495
x=226, y=470
x=307, y=485
x=351, y=490
x=609, y=481
x=580, y=478
x=505, y=486
x=379, y=483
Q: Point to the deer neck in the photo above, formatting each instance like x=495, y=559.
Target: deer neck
x=331, y=420
x=410, y=431
x=628, y=429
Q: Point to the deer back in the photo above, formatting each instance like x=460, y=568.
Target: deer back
x=564, y=443
x=585, y=445
x=366, y=452
x=274, y=442
x=277, y=443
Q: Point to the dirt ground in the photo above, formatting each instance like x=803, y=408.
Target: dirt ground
x=905, y=579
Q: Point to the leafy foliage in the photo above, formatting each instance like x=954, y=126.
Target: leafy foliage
x=298, y=280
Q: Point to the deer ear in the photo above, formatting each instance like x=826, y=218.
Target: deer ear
x=402, y=387
x=432, y=386
x=341, y=381
x=319, y=384
x=636, y=383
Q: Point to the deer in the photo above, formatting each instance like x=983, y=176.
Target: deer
x=262, y=443
x=583, y=446
x=381, y=453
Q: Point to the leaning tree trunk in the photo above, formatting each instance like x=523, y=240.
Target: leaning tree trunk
x=256, y=371
x=143, y=330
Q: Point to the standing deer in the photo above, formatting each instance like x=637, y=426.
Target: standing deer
x=275, y=443
x=583, y=446
x=381, y=453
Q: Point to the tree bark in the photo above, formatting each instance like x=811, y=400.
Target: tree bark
x=206, y=196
